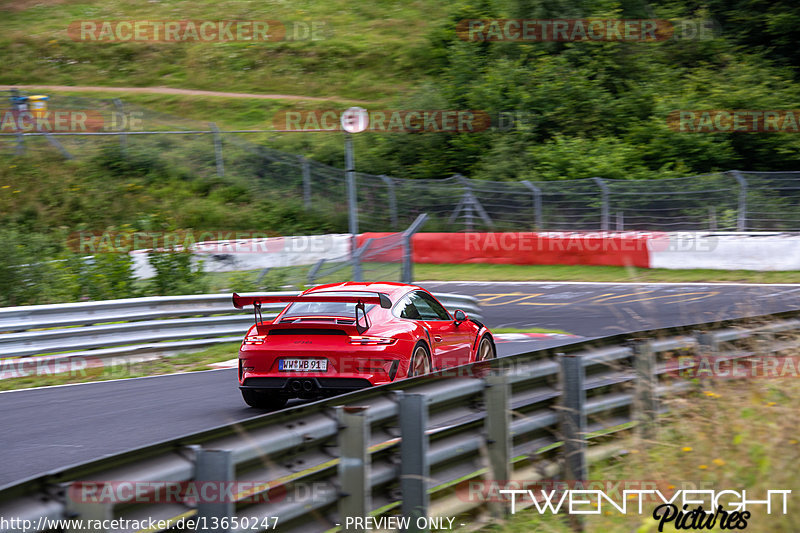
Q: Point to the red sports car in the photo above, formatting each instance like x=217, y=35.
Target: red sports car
x=342, y=337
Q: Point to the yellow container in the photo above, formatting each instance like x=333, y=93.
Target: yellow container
x=38, y=104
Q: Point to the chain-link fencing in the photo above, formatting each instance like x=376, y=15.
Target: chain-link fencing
x=721, y=201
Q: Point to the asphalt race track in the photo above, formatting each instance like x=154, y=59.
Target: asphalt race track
x=49, y=428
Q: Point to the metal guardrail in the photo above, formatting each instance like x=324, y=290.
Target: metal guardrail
x=408, y=447
x=137, y=326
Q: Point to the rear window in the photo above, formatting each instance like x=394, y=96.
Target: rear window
x=341, y=309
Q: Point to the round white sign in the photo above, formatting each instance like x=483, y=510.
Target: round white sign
x=355, y=120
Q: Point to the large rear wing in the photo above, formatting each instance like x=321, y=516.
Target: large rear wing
x=240, y=302
x=256, y=300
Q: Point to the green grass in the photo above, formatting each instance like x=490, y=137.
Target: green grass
x=739, y=435
x=367, y=51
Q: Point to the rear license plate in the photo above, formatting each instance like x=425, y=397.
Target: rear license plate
x=303, y=365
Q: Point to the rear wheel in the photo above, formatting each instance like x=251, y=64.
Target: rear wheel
x=485, y=350
x=261, y=400
x=420, y=361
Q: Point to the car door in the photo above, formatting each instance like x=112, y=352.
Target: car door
x=451, y=343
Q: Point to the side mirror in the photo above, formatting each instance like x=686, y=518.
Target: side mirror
x=460, y=315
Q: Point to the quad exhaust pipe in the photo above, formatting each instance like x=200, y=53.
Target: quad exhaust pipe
x=305, y=385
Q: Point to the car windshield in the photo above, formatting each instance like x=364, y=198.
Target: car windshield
x=342, y=309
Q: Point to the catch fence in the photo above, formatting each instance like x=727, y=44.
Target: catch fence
x=721, y=201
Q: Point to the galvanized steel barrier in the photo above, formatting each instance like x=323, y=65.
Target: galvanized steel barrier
x=410, y=448
x=140, y=326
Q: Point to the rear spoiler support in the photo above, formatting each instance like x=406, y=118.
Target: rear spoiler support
x=257, y=313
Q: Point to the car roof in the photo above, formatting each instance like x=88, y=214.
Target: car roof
x=390, y=288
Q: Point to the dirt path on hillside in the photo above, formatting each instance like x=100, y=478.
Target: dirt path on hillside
x=171, y=90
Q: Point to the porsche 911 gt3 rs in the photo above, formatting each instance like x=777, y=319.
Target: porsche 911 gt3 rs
x=342, y=337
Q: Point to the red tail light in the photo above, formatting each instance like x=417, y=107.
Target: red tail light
x=255, y=339
x=366, y=340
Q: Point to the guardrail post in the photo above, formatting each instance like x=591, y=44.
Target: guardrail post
x=708, y=351
x=414, y=467
x=214, y=467
x=354, y=464
x=573, y=423
x=646, y=403
x=83, y=511
x=498, y=434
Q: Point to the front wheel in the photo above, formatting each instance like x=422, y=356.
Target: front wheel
x=485, y=350
x=260, y=400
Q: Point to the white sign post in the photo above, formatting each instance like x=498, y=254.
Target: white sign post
x=354, y=120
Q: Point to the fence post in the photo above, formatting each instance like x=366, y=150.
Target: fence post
x=620, y=221
x=313, y=272
x=414, y=467
x=498, y=433
x=356, y=261
x=712, y=218
x=646, y=403
x=604, y=208
x=573, y=423
x=53, y=141
x=741, y=218
x=392, y=201
x=407, y=270
x=216, y=467
x=537, y=204
x=306, y=170
x=352, y=196
x=20, y=143
x=123, y=139
x=353, y=464
x=467, y=203
x=218, y=149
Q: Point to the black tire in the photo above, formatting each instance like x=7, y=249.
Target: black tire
x=486, y=350
x=261, y=400
x=420, y=351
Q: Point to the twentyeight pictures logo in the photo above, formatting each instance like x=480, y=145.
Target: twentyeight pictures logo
x=197, y=30
x=392, y=120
